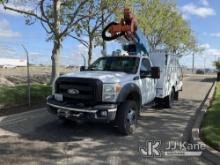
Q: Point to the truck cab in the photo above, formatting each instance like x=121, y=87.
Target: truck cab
x=112, y=89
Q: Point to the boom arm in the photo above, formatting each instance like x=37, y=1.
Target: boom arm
x=128, y=28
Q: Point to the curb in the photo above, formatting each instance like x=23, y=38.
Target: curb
x=208, y=153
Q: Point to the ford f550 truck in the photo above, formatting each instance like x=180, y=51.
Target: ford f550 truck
x=115, y=88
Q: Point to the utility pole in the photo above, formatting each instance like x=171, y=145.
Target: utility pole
x=193, y=62
x=28, y=76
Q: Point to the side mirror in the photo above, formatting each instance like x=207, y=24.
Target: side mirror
x=155, y=72
x=82, y=68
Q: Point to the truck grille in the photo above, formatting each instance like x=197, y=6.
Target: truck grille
x=89, y=90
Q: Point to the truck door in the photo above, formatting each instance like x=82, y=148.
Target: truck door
x=148, y=84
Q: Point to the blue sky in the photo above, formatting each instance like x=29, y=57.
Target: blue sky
x=203, y=15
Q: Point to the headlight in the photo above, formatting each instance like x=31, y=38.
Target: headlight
x=110, y=92
x=109, y=88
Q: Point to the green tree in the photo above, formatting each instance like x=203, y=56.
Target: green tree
x=59, y=18
x=217, y=65
x=92, y=26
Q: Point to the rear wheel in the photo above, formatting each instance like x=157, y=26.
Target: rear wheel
x=176, y=95
x=127, y=114
x=168, y=101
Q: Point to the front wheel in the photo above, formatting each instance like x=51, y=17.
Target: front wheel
x=127, y=114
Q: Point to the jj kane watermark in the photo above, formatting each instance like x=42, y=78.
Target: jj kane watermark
x=157, y=149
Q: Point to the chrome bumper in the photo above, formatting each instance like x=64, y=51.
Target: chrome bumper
x=104, y=112
x=82, y=110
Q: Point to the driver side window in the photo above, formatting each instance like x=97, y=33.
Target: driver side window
x=145, y=66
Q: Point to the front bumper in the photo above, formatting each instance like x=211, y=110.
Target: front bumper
x=101, y=112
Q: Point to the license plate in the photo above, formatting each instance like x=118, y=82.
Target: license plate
x=58, y=97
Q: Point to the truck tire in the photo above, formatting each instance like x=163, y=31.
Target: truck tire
x=126, y=118
x=176, y=95
x=168, y=101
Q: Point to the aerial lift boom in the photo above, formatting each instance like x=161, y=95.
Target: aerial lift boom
x=128, y=28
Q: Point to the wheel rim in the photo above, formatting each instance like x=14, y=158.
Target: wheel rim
x=131, y=117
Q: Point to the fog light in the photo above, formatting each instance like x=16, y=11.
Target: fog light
x=104, y=113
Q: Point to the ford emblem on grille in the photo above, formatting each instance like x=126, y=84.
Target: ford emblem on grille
x=73, y=91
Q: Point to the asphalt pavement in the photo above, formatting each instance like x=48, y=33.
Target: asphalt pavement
x=38, y=137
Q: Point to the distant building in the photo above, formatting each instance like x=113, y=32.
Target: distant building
x=12, y=63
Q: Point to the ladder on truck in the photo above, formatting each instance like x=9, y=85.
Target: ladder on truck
x=136, y=42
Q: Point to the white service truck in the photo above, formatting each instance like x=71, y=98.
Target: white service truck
x=114, y=89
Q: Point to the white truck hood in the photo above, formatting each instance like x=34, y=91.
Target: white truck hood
x=104, y=76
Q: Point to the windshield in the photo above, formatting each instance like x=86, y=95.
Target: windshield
x=117, y=64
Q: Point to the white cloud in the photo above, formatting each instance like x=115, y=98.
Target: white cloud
x=215, y=34
x=191, y=9
x=5, y=30
x=7, y=51
x=205, y=46
x=204, y=2
x=213, y=52
x=210, y=51
x=9, y=34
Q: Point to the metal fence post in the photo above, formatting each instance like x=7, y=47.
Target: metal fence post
x=28, y=76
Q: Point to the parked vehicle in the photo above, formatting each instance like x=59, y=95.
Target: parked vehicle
x=200, y=71
x=115, y=88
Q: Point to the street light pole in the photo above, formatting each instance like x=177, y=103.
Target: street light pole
x=28, y=76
